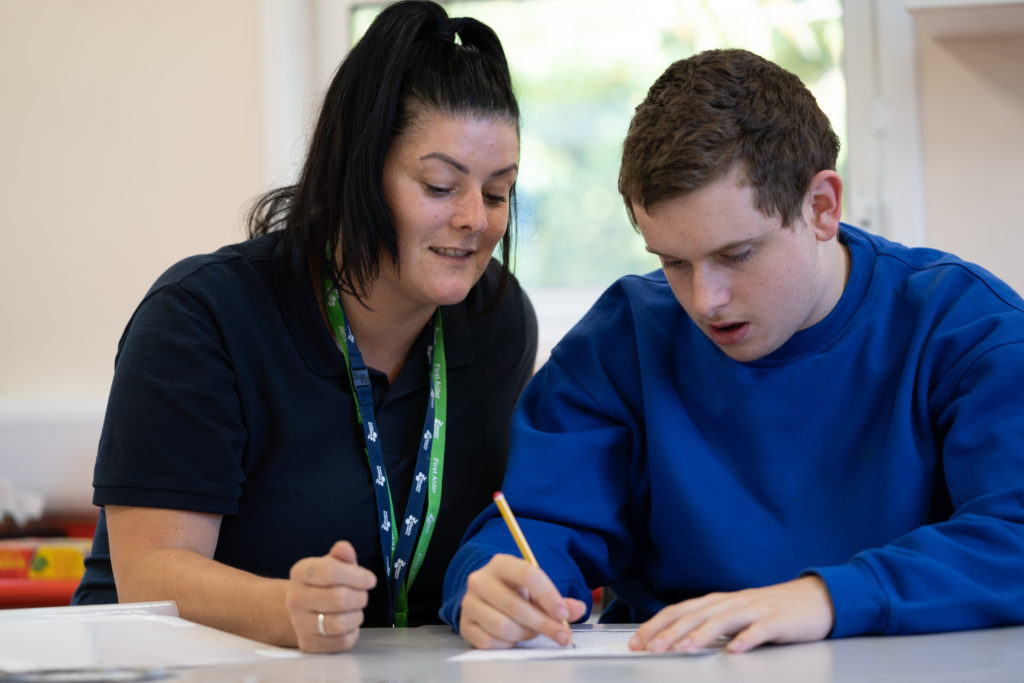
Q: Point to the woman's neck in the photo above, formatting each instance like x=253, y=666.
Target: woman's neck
x=384, y=332
x=385, y=329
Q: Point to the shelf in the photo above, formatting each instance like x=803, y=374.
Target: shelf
x=36, y=592
x=967, y=17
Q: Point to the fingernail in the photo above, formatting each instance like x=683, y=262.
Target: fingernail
x=562, y=638
x=562, y=612
x=656, y=645
x=634, y=642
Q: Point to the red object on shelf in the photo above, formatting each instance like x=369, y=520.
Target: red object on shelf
x=36, y=592
x=75, y=526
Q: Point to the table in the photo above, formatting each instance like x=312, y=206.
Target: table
x=151, y=637
x=421, y=654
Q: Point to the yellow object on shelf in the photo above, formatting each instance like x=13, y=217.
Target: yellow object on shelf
x=43, y=558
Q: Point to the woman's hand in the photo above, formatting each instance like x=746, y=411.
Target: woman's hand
x=325, y=599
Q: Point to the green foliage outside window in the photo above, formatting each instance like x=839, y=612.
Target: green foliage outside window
x=581, y=66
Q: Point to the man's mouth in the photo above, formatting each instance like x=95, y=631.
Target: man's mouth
x=728, y=333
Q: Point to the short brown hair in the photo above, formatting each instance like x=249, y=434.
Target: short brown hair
x=717, y=108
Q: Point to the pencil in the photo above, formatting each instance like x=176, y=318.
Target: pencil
x=520, y=539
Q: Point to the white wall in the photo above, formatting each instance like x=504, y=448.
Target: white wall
x=972, y=123
x=130, y=136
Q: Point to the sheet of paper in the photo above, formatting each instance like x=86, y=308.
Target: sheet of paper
x=147, y=635
x=595, y=643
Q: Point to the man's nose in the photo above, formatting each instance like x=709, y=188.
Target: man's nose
x=711, y=292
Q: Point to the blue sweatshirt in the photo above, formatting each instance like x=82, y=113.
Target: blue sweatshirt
x=881, y=449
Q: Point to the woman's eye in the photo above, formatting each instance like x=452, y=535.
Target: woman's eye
x=435, y=190
x=495, y=199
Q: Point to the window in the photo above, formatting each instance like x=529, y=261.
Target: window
x=580, y=67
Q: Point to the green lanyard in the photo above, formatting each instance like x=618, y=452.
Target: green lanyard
x=398, y=536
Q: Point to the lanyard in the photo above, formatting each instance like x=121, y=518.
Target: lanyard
x=398, y=536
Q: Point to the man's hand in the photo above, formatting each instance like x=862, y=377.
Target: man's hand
x=792, y=612
x=508, y=600
x=334, y=586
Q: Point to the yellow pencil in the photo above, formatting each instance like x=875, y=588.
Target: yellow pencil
x=517, y=534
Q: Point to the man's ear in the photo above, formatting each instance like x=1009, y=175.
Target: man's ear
x=825, y=196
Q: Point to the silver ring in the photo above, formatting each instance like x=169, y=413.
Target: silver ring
x=320, y=624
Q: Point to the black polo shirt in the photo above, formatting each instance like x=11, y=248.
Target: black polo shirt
x=230, y=396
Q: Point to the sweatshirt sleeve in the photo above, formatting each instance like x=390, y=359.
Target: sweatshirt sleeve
x=568, y=484
x=964, y=571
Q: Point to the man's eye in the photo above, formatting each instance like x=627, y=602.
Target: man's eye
x=738, y=257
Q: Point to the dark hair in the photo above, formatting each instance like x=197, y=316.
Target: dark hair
x=408, y=61
x=717, y=108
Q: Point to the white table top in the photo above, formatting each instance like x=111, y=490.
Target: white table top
x=150, y=637
x=422, y=654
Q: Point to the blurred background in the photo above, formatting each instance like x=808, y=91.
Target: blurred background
x=137, y=132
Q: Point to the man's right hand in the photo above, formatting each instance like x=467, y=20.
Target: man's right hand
x=508, y=600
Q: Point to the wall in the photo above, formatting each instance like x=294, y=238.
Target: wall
x=130, y=136
x=971, y=96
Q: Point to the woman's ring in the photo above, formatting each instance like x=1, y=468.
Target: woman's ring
x=320, y=624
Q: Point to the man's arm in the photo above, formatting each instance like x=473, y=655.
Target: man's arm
x=962, y=571
x=561, y=442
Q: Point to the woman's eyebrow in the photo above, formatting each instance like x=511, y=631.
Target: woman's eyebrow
x=461, y=167
x=446, y=159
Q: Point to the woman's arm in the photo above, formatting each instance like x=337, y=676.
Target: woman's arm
x=161, y=554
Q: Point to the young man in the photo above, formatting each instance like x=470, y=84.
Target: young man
x=793, y=430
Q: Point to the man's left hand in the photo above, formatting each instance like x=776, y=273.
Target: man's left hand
x=793, y=612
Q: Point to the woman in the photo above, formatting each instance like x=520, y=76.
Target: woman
x=289, y=411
